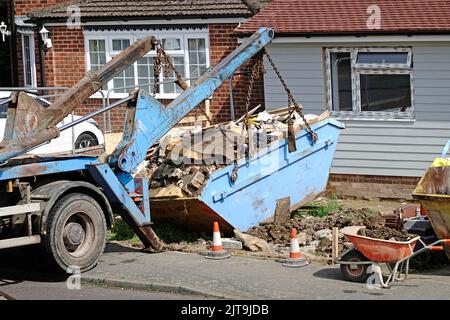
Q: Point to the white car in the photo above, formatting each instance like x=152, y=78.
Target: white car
x=83, y=135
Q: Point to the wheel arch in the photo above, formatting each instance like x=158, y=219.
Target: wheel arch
x=50, y=193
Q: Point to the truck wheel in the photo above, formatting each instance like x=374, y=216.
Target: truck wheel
x=355, y=272
x=76, y=233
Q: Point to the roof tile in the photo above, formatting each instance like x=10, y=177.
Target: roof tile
x=351, y=16
x=91, y=9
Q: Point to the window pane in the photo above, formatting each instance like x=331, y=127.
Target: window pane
x=202, y=57
x=388, y=92
x=27, y=60
x=194, y=70
x=117, y=45
x=145, y=73
x=97, y=55
x=101, y=45
x=193, y=57
x=94, y=58
x=171, y=44
x=192, y=44
x=120, y=44
x=197, y=57
x=129, y=72
x=341, y=81
x=178, y=63
x=102, y=58
x=382, y=57
x=124, y=79
x=118, y=83
x=201, y=44
x=93, y=45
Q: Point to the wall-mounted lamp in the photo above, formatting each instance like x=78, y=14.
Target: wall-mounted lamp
x=44, y=36
x=4, y=31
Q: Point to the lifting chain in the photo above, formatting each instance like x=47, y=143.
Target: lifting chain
x=291, y=99
x=163, y=59
x=257, y=71
x=157, y=66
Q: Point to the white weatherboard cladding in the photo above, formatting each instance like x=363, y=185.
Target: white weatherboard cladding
x=395, y=148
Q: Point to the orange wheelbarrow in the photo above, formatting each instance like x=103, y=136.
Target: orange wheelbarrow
x=365, y=259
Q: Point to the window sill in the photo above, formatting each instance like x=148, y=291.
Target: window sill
x=373, y=116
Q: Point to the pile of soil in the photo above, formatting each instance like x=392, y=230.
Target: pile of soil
x=386, y=233
x=280, y=233
x=316, y=231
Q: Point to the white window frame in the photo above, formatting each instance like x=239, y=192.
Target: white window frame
x=110, y=53
x=32, y=59
x=357, y=70
x=109, y=36
x=383, y=65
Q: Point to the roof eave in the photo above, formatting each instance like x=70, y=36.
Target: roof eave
x=43, y=20
x=350, y=33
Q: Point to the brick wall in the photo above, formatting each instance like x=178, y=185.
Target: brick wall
x=65, y=62
x=222, y=42
x=368, y=187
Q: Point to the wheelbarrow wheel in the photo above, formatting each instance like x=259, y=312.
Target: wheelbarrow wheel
x=355, y=272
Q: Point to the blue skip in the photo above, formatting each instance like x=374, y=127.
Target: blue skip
x=270, y=175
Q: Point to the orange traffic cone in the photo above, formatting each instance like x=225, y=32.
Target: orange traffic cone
x=217, y=251
x=295, y=258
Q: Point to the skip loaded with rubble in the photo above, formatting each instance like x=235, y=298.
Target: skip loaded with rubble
x=185, y=158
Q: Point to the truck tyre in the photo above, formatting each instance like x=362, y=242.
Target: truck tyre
x=76, y=233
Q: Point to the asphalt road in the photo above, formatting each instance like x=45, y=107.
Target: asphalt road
x=38, y=290
x=174, y=275
x=22, y=279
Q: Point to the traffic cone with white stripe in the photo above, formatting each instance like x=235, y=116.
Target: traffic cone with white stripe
x=217, y=251
x=295, y=259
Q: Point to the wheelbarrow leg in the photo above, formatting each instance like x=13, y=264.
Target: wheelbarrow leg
x=376, y=269
x=392, y=276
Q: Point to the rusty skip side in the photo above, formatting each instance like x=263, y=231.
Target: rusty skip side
x=433, y=193
x=29, y=124
x=191, y=213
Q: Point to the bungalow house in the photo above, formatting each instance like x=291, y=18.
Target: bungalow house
x=382, y=67
x=85, y=34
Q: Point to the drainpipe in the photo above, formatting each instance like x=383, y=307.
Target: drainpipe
x=13, y=46
x=232, y=111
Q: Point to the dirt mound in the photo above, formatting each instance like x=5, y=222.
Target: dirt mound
x=386, y=233
x=315, y=232
x=280, y=233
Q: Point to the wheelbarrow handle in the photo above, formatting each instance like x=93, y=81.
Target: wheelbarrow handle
x=435, y=248
x=445, y=150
